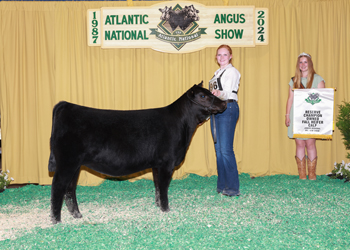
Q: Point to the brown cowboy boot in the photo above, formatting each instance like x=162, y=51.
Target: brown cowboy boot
x=311, y=165
x=301, y=167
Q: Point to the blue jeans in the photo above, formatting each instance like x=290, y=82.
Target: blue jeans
x=228, y=182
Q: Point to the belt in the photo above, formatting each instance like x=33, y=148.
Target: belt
x=231, y=100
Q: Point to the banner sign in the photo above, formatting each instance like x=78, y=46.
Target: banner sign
x=313, y=113
x=177, y=27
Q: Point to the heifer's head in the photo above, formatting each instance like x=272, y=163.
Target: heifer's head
x=205, y=101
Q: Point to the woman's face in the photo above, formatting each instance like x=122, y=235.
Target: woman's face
x=223, y=57
x=303, y=65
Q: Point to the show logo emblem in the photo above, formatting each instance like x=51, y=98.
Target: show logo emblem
x=178, y=26
x=313, y=98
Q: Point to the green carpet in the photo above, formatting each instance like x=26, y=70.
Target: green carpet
x=273, y=212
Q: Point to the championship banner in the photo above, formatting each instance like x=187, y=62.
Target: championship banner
x=177, y=27
x=313, y=113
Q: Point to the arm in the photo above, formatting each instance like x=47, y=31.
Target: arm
x=321, y=85
x=289, y=106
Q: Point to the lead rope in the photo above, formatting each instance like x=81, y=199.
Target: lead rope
x=214, y=128
x=212, y=116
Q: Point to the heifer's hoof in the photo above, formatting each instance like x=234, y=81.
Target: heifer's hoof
x=165, y=210
x=54, y=221
x=76, y=215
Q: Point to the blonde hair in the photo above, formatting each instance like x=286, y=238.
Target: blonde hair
x=310, y=74
x=226, y=47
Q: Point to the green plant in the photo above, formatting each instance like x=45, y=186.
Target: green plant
x=343, y=124
x=342, y=170
x=4, y=179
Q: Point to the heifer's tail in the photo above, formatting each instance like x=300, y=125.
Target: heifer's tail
x=52, y=163
x=52, y=160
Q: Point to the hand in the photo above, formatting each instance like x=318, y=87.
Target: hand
x=216, y=92
x=287, y=120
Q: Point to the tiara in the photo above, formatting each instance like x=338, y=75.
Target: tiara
x=304, y=54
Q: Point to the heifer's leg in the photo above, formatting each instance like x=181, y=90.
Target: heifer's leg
x=71, y=198
x=156, y=184
x=164, y=181
x=57, y=192
x=60, y=183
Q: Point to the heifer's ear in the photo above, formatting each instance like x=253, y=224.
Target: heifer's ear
x=190, y=92
x=201, y=84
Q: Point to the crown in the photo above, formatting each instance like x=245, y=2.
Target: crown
x=304, y=54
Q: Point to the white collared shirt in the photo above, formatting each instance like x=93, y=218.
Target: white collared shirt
x=229, y=82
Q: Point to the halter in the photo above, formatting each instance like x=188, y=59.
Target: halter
x=210, y=113
x=206, y=108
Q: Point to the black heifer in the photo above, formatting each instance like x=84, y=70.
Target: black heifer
x=118, y=143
